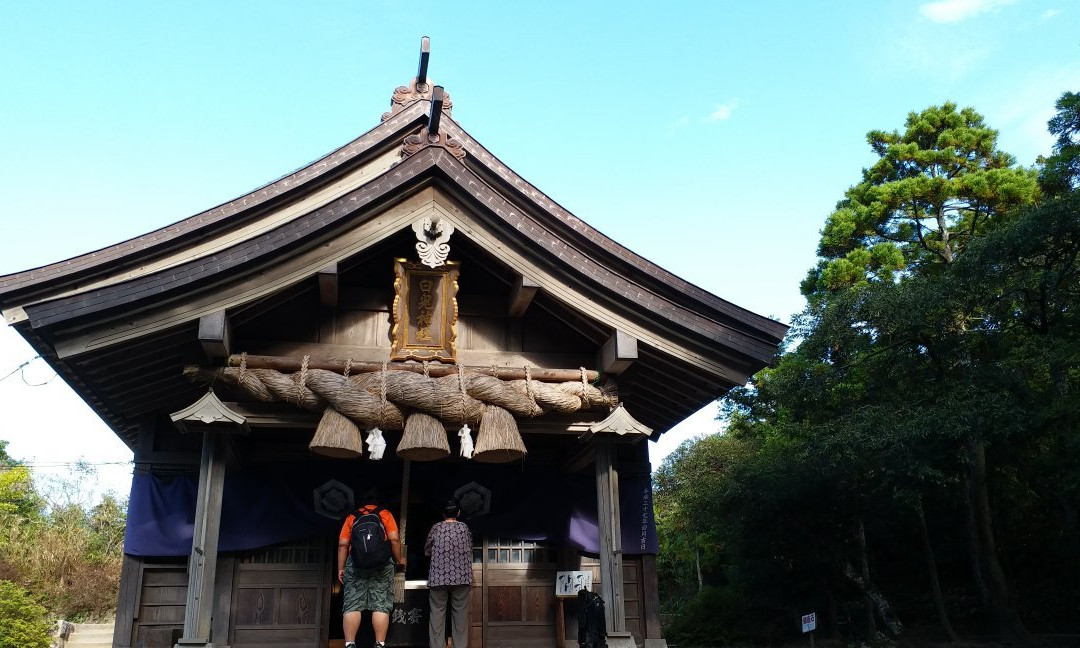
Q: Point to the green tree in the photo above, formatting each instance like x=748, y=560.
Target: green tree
x=67, y=551
x=23, y=623
x=17, y=494
x=1061, y=171
x=934, y=189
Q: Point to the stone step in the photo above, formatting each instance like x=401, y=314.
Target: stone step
x=90, y=635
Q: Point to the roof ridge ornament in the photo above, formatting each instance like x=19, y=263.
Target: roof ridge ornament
x=419, y=89
x=417, y=141
x=431, y=136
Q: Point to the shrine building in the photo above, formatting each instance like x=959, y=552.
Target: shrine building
x=406, y=314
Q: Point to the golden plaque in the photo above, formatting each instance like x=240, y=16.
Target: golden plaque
x=425, y=311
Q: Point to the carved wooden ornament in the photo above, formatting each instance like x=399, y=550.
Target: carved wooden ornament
x=432, y=236
x=425, y=312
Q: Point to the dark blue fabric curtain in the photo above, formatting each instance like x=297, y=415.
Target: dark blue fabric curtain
x=275, y=504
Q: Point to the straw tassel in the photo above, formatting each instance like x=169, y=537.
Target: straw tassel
x=498, y=440
x=424, y=438
x=336, y=436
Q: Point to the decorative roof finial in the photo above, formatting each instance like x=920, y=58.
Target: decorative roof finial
x=421, y=72
x=419, y=89
x=435, y=114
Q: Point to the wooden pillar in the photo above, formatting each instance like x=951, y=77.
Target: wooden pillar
x=202, y=565
x=654, y=632
x=607, y=509
x=130, y=583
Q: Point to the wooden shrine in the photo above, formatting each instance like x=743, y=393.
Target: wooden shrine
x=405, y=313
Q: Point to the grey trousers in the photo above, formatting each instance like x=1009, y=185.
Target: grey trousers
x=459, y=611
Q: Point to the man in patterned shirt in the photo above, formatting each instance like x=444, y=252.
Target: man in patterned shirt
x=449, y=543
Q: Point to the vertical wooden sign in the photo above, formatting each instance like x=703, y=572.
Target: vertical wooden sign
x=425, y=311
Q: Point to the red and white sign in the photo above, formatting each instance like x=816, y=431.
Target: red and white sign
x=809, y=622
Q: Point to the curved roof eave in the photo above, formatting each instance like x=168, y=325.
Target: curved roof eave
x=594, y=281
x=573, y=227
x=63, y=273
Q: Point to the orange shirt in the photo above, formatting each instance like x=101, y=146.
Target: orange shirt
x=346, y=529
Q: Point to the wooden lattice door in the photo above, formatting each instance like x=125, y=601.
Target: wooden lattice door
x=514, y=604
x=279, y=596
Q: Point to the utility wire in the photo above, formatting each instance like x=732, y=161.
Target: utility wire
x=62, y=464
x=21, y=370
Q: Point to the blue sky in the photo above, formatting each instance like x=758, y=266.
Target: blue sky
x=711, y=137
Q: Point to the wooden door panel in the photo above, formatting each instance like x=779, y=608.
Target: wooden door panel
x=476, y=636
x=519, y=636
x=259, y=637
x=297, y=605
x=476, y=605
x=255, y=606
x=157, y=637
x=504, y=603
x=540, y=604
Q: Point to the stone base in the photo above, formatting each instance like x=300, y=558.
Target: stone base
x=197, y=643
x=655, y=643
x=620, y=640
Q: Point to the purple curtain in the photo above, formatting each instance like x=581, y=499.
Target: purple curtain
x=292, y=501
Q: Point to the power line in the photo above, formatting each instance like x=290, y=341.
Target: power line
x=21, y=370
x=18, y=369
x=63, y=464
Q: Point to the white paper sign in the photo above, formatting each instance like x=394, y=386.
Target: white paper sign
x=569, y=583
x=809, y=622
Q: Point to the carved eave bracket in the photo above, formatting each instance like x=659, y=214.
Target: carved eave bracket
x=415, y=91
x=619, y=425
x=208, y=410
x=419, y=141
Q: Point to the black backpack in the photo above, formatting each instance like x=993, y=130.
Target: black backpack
x=369, y=546
x=592, y=627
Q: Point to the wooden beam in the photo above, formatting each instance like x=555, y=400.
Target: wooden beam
x=434, y=369
x=618, y=353
x=328, y=286
x=577, y=461
x=281, y=415
x=521, y=295
x=214, y=335
x=468, y=357
x=275, y=415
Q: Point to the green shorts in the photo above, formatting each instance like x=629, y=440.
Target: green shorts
x=368, y=589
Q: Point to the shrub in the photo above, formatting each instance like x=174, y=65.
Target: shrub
x=23, y=623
